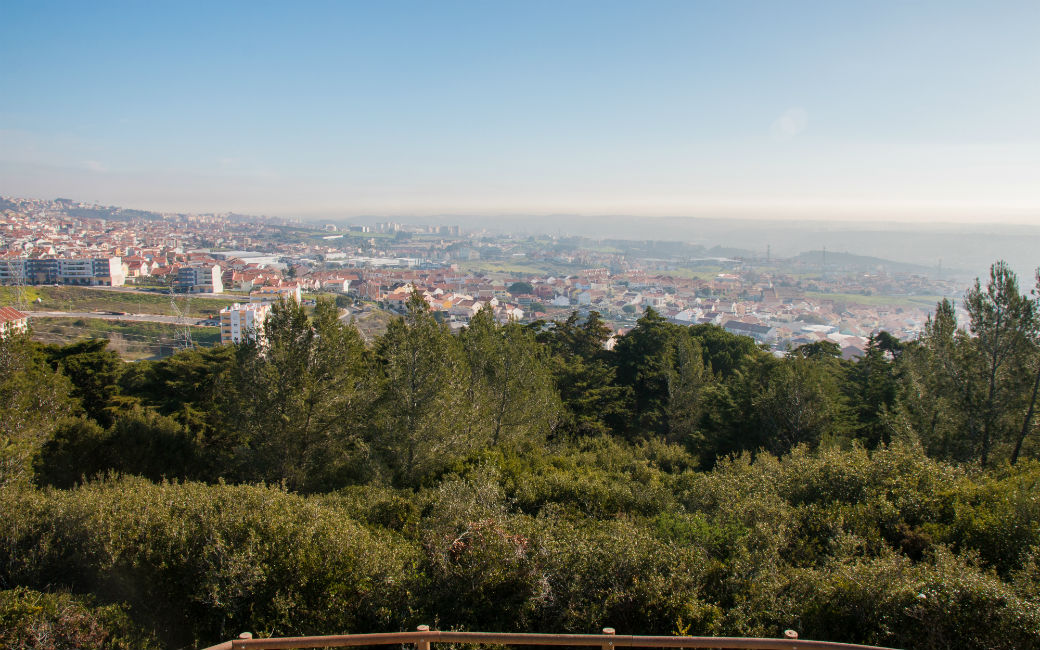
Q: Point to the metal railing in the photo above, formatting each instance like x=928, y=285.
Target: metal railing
x=424, y=636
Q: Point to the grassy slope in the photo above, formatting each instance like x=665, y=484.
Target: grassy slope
x=875, y=301
x=65, y=298
x=133, y=340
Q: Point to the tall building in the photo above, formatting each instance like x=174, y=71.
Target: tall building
x=87, y=271
x=243, y=322
x=200, y=279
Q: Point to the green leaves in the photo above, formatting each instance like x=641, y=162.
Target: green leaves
x=971, y=395
x=33, y=398
x=301, y=398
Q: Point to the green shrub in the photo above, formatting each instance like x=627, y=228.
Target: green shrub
x=206, y=562
x=944, y=602
x=32, y=620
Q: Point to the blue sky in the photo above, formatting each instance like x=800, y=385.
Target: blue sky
x=880, y=110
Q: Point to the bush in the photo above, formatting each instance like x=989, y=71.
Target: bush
x=206, y=562
x=618, y=574
x=41, y=621
x=943, y=603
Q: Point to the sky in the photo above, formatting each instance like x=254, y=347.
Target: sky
x=875, y=110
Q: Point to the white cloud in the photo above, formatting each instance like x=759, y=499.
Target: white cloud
x=789, y=125
x=94, y=166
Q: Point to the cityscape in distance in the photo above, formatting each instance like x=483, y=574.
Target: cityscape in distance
x=783, y=297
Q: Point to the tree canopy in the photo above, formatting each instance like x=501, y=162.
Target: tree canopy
x=539, y=477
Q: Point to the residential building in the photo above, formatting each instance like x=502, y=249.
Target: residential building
x=12, y=321
x=88, y=271
x=761, y=333
x=269, y=295
x=200, y=278
x=241, y=322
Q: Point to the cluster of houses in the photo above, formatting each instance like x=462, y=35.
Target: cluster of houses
x=52, y=242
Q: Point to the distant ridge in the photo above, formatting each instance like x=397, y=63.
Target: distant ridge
x=851, y=262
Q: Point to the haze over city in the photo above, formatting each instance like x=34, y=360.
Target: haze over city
x=812, y=110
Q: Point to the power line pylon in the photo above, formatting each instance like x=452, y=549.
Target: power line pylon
x=184, y=340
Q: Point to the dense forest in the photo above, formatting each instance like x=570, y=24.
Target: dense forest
x=525, y=478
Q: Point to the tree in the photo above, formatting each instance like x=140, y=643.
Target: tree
x=872, y=390
x=937, y=387
x=141, y=442
x=94, y=371
x=1004, y=323
x=974, y=385
x=301, y=395
x=33, y=399
x=415, y=429
x=520, y=288
x=723, y=352
x=819, y=350
x=645, y=362
x=801, y=404
x=1034, y=355
x=195, y=388
x=511, y=378
x=667, y=370
x=685, y=391
x=593, y=403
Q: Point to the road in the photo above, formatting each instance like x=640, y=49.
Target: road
x=145, y=318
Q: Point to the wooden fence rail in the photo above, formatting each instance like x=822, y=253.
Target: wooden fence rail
x=423, y=637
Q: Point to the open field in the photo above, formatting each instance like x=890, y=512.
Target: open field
x=373, y=323
x=132, y=340
x=526, y=267
x=67, y=298
x=691, y=273
x=927, y=302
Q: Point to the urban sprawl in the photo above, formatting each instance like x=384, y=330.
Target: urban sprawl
x=254, y=262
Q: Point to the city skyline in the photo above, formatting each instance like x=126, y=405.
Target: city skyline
x=813, y=111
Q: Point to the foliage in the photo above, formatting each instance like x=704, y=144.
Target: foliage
x=205, y=562
x=422, y=376
x=520, y=288
x=299, y=396
x=33, y=397
x=529, y=477
x=33, y=620
x=94, y=371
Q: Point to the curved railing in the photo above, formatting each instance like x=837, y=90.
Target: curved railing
x=423, y=637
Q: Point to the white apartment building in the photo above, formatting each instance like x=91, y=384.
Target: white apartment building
x=105, y=271
x=269, y=295
x=200, y=279
x=87, y=271
x=243, y=322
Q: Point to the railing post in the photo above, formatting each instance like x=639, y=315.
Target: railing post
x=609, y=645
x=423, y=644
x=246, y=635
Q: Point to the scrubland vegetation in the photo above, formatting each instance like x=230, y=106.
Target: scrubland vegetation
x=525, y=478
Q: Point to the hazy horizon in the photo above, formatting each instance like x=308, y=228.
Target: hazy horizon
x=828, y=111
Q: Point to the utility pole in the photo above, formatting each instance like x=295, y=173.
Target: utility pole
x=186, y=332
x=17, y=275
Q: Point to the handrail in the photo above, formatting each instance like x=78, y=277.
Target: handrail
x=607, y=641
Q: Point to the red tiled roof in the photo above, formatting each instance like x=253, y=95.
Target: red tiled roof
x=10, y=314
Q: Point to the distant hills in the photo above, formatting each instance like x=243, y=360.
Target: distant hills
x=825, y=259
x=961, y=250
